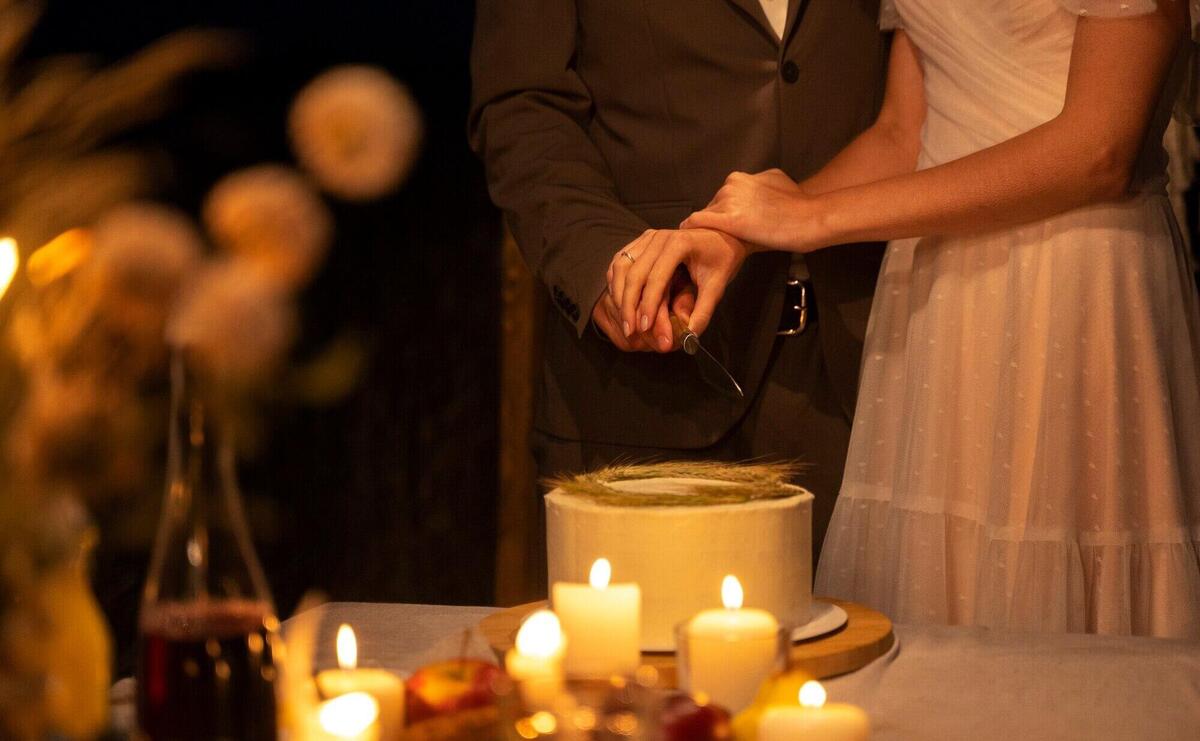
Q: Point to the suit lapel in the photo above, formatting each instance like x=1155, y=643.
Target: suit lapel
x=794, y=14
x=754, y=9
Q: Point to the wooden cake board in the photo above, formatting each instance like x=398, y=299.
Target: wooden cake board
x=866, y=636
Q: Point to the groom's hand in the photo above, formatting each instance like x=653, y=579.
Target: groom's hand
x=606, y=319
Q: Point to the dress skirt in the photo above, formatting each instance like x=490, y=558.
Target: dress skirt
x=1026, y=446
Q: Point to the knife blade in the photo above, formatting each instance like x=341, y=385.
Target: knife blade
x=711, y=370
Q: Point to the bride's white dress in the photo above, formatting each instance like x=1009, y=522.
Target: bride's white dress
x=1026, y=448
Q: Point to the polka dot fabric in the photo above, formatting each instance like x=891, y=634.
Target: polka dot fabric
x=1026, y=448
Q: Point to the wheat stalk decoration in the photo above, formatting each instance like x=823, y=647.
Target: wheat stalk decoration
x=732, y=483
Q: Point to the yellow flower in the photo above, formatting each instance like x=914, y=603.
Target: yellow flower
x=77, y=653
x=57, y=646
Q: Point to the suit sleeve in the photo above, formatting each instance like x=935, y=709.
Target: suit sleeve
x=529, y=117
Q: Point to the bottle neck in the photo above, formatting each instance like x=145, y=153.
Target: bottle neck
x=203, y=550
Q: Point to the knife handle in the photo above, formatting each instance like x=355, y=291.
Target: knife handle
x=684, y=337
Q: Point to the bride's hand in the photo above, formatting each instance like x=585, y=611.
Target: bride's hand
x=767, y=209
x=640, y=281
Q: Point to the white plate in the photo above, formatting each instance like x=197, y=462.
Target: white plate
x=826, y=618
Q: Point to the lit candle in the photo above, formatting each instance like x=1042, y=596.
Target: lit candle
x=814, y=719
x=536, y=661
x=9, y=258
x=350, y=716
x=603, y=622
x=730, y=651
x=385, y=687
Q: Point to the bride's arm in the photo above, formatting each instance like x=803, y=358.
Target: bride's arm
x=890, y=146
x=1085, y=155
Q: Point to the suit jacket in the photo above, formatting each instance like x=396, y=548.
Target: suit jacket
x=597, y=119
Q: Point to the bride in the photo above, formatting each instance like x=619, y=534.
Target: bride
x=1026, y=448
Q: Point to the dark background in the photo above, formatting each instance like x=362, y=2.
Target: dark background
x=388, y=495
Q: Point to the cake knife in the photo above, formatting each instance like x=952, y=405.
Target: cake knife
x=711, y=370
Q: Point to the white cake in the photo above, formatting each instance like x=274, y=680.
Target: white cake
x=679, y=555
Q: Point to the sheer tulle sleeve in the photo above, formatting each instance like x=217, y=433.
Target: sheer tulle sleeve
x=889, y=19
x=1110, y=8
x=1120, y=8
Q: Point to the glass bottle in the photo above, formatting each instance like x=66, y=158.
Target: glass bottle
x=207, y=630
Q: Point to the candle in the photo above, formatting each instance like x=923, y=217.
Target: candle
x=350, y=716
x=386, y=688
x=814, y=719
x=730, y=652
x=9, y=258
x=536, y=661
x=603, y=622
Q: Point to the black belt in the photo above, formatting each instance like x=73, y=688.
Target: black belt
x=798, y=308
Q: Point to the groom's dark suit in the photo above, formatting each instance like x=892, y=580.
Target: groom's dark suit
x=597, y=119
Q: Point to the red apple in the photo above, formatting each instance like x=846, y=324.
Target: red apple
x=449, y=686
x=684, y=720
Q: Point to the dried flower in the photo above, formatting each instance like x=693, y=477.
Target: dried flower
x=59, y=257
x=356, y=130
x=234, y=324
x=88, y=328
x=81, y=433
x=147, y=248
x=269, y=217
x=55, y=194
x=106, y=293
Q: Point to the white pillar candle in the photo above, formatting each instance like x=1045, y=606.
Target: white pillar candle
x=353, y=717
x=814, y=719
x=603, y=623
x=730, y=651
x=384, y=686
x=536, y=661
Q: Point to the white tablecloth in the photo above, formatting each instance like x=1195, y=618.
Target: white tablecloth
x=935, y=683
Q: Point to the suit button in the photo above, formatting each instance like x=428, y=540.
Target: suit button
x=790, y=71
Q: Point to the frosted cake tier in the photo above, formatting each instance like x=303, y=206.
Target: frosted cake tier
x=680, y=554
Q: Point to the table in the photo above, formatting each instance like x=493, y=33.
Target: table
x=936, y=682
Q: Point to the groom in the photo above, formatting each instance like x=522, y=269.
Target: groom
x=599, y=119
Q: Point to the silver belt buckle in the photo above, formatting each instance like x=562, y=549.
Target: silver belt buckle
x=796, y=291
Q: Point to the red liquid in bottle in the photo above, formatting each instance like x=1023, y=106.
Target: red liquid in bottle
x=207, y=671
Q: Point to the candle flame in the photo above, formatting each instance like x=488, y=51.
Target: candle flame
x=347, y=716
x=731, y=593
x=543, y=722
x=8, y=262
x=812, y=694
x=347, y=647
x=540, y=635
x=601, y=574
